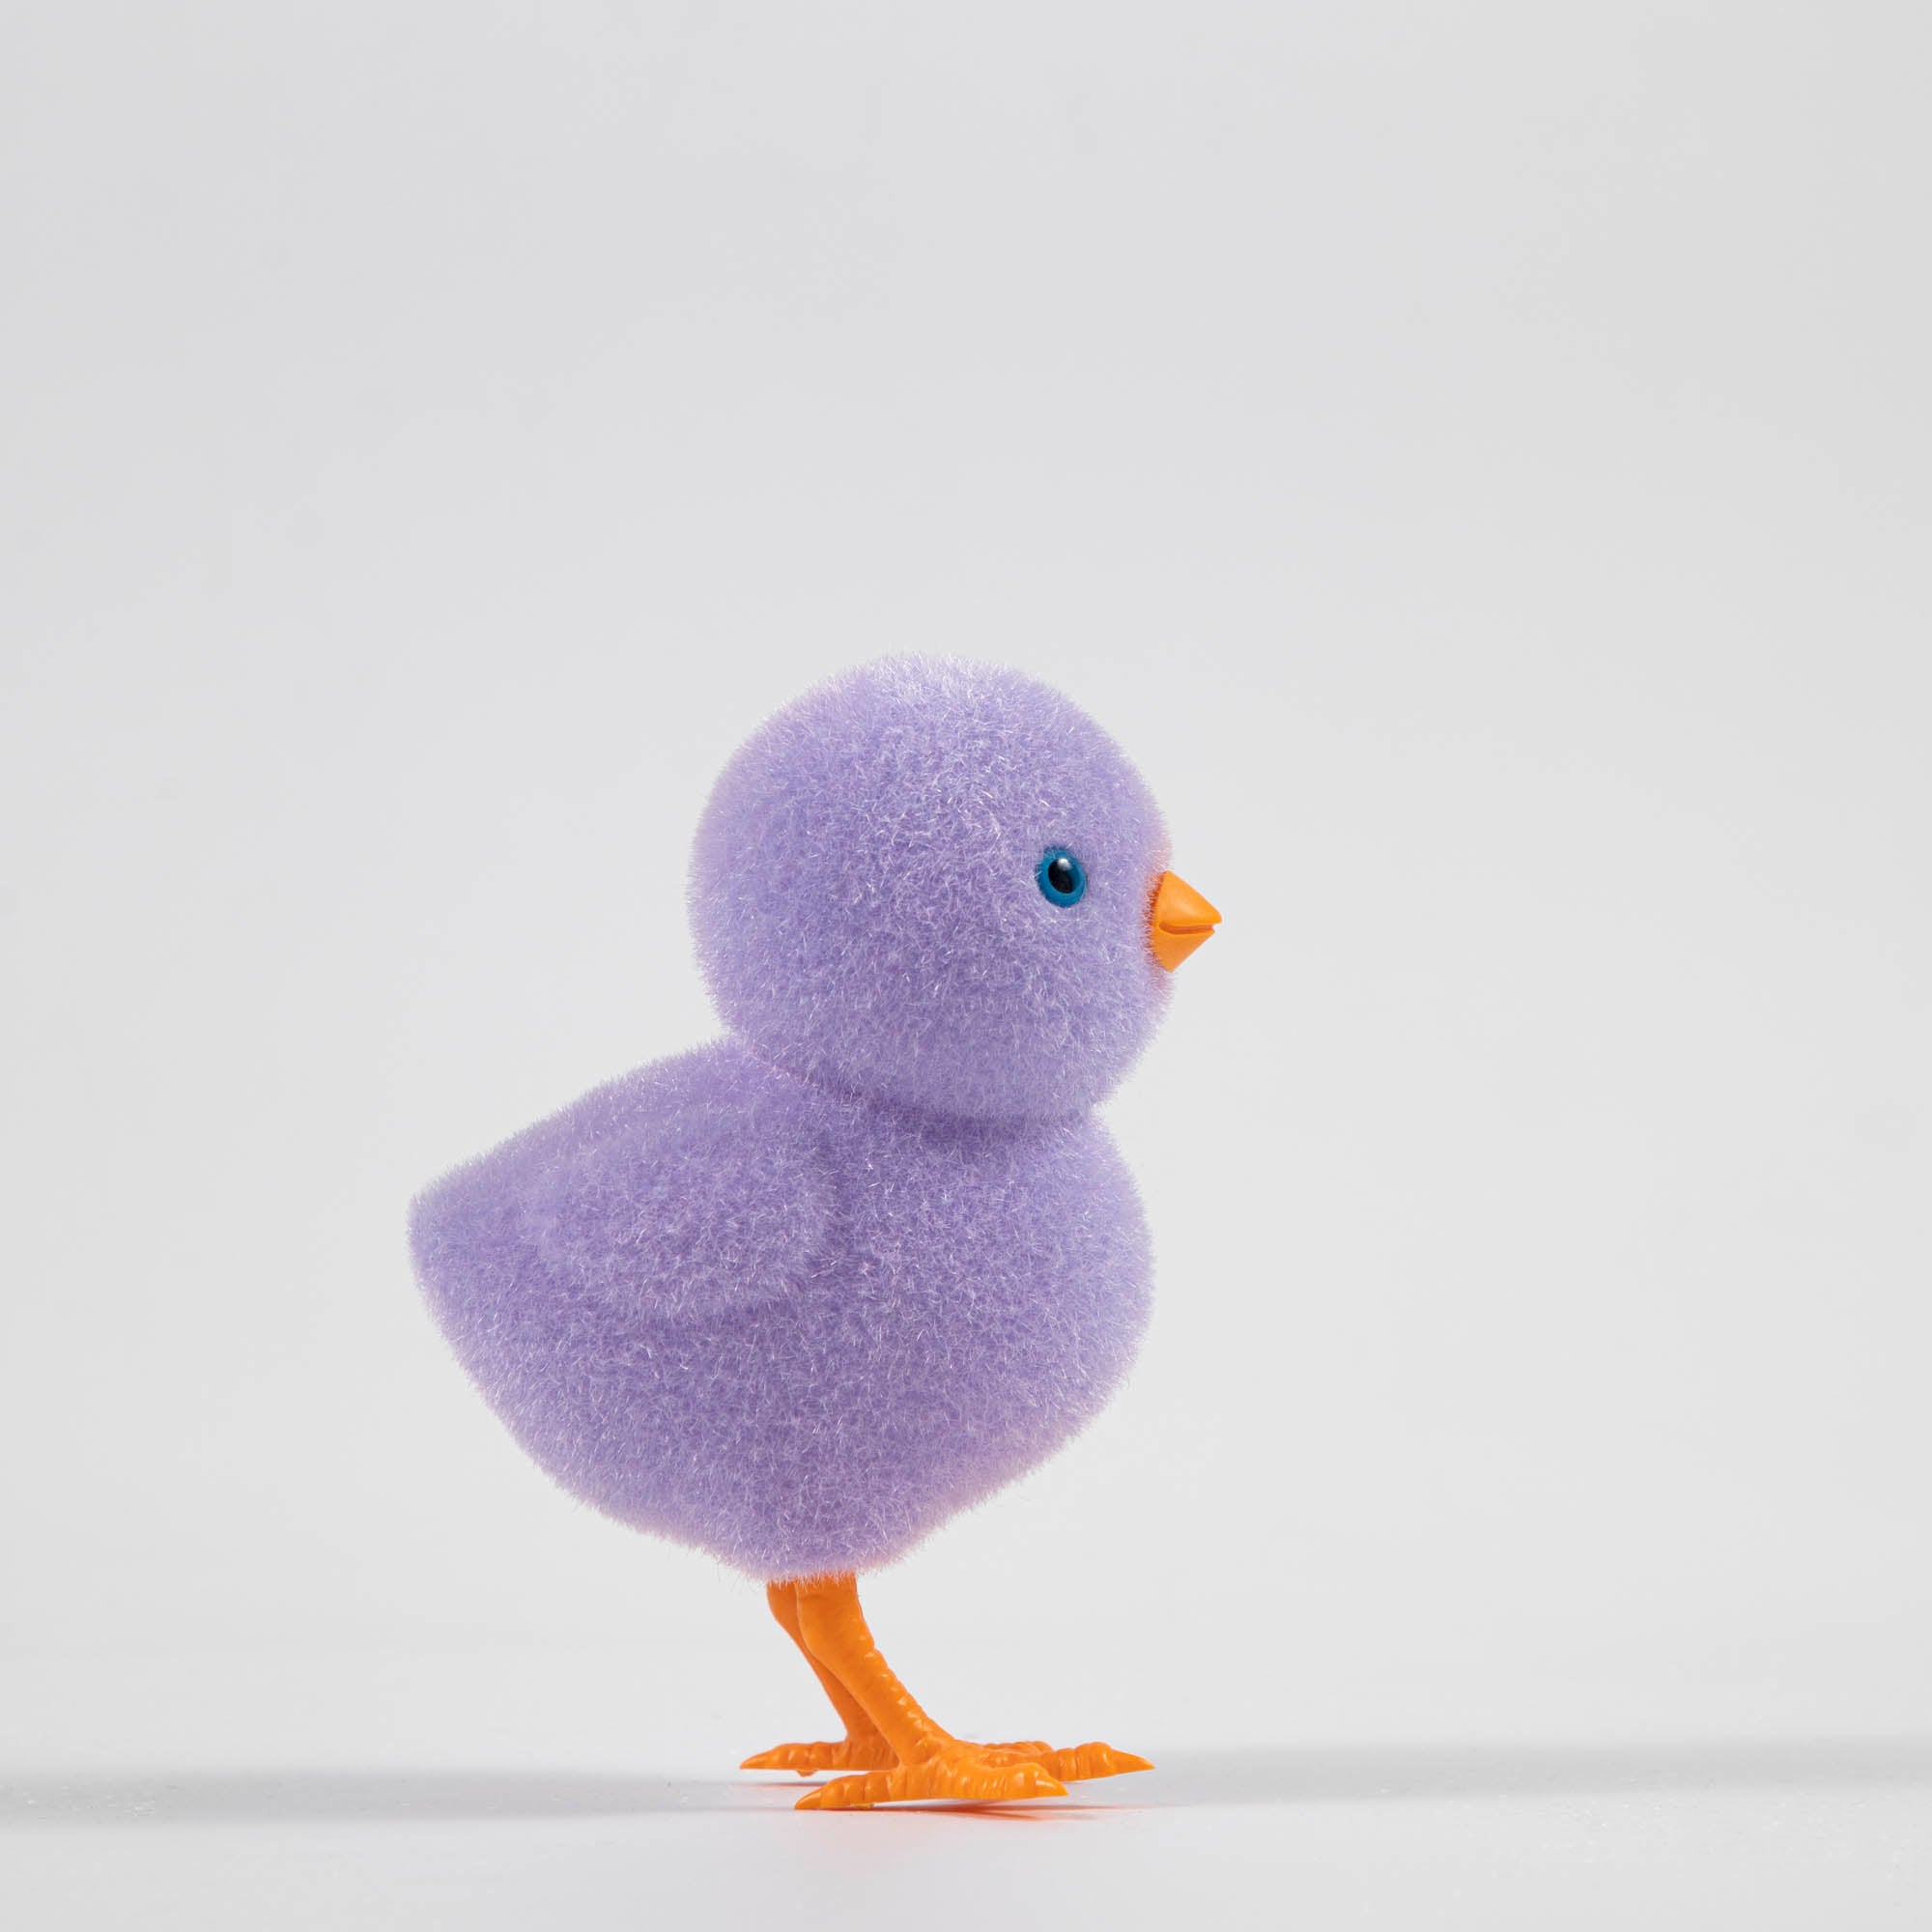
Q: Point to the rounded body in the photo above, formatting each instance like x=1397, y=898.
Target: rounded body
x=795, y=1329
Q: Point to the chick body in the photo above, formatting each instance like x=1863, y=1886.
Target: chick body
x=794, y=1328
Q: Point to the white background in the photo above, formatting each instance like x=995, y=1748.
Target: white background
x=1473, y=458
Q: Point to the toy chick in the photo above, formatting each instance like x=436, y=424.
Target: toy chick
x=798, y=1297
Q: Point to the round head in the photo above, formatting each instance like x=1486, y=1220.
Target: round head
x=930, y=882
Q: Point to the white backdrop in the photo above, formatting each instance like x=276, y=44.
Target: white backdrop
x=1474, y=460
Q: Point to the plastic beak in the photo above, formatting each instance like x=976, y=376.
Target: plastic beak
x=1180, y=920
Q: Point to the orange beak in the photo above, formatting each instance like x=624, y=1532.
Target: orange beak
x=1179, y=921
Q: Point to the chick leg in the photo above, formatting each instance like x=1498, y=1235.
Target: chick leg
x=932, y=1763
x=863, y=1747
x=889, y=1735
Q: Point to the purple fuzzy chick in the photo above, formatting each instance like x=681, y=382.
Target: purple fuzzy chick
x=798, y=1297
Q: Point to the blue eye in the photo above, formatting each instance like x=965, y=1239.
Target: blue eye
x=1061, y=877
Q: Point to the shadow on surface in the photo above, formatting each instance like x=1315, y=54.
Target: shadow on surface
x=1356, y=1773
x=305, y=1796
x=1306, y=1775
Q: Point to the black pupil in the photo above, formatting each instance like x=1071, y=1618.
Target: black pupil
x=1060, y=874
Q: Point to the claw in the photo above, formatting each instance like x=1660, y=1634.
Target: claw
x=1075, y=1763
x=847, y=1754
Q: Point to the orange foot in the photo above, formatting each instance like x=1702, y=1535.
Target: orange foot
x=954, y=1770
x=872, y=1753
x=1071, y=1766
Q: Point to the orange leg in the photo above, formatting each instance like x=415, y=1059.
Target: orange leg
x=882, y=1718
x=863, y=1747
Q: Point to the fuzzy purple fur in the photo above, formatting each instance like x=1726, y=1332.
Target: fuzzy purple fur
x=799, y=1297
x=866, y=904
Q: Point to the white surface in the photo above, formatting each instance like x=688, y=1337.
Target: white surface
x=520, y=1849
x=387, y=1792
x=1472, y=458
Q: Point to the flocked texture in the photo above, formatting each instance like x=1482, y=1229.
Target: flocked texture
x=867, y=903
x=799, y=1297
x=796, y=1330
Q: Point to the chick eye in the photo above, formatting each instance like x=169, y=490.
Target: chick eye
x=1061, y=877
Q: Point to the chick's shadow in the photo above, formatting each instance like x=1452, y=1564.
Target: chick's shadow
x=1300, y=1776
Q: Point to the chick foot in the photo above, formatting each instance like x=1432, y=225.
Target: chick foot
x=955, y=1769
x=865, y=1754
x=1072, y=1765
